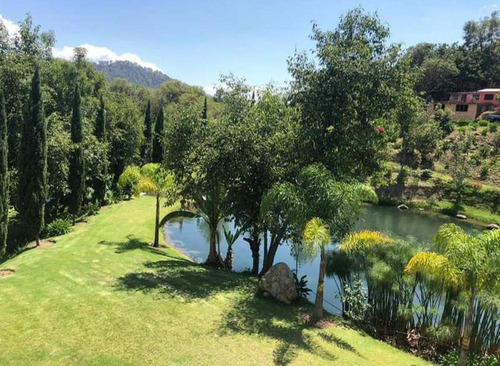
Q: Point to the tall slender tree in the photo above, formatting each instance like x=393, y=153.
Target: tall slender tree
x=100, y=127
x=101, y=134
x=32, y=186
x=4, y=177
x=158, y=138
x=148, y=135
x=204, y=114
x=77, y=163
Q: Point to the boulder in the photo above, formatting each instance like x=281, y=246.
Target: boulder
x=279, y=283
x=492, y=227
x=461, y=217
x=402, y=207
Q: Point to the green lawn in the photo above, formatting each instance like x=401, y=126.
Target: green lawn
x=102, y=296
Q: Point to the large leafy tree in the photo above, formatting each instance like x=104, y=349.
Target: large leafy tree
x=4, y=177
x=354, y=79
x=155, y=179
x=32, y=187
x=77, y=161
x=470, y=264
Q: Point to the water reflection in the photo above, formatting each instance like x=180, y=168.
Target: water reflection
x=191, y=237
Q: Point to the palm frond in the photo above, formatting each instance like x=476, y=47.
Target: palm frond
x=448, y=234
x=316, y=233
x=364, y=240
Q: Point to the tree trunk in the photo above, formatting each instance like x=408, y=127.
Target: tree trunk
x=156, y=243
x=228, y=262
x=213, y=259
x=269, y=260
x=318, y=304
x=465, y=342
x=254, y=243
x=38, y=242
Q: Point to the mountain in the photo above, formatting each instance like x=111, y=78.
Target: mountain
x=132, y=72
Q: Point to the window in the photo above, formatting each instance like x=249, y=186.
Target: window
x=488, y=97
x=462, y=108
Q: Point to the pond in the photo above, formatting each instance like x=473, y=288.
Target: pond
x=191, y=237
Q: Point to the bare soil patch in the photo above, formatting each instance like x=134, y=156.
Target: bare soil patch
x=6, y=272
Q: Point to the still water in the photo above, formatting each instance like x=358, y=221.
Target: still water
x=191, y=237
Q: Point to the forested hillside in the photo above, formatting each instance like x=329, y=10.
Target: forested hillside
x=132, y=72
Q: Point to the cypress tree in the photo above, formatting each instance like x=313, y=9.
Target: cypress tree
x=4, y=177
x=158, y=137
x=32, y=184
x=148, y=134
x=77, y=163
x=100, y=126
x=204, y=114
x=100, y=133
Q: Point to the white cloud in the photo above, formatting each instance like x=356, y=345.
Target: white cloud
x=12, y=27
x=97, y=53
x=490, y=7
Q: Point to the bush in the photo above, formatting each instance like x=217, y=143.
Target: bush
x=464, y=122
x=451, y=359
x=484, y=151
x=301, y=286
x=483, y=123
x=426, y=174
x=485, y=169
x=57, y=227
x=403, y=175
x=493, y=128
x=484, y=132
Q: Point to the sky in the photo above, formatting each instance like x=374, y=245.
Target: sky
x=196, y=41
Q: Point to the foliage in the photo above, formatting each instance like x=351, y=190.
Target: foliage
x=356, y=299
x=301, y=286
x=32, y=185
x=57, y=227
x=4, y=177
x=132, y=72
x=127, y=183
x=76, y=176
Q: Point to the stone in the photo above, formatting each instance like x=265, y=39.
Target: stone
x=402, y=207
x=461, y=217
x=492, y=227
x=279, y=283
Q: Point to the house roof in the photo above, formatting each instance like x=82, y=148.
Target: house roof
x=491, y=90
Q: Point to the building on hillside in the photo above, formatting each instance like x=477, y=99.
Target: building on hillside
x=471, y=105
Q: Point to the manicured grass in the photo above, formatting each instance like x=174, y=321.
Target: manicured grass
x=102, y=296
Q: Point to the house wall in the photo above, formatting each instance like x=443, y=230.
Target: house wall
x=470, y=114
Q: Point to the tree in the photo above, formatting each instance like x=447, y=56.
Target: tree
x=354, y=79
x=128, y=181
x=204, y=114
x=32, y=185
x=148, y=135
x=77, y=162
x=317, y=234
x=4, y=177
x=101, y=180
x=230, y=240
x=158, y=138
x=470, y=264
x=459, y=165
x=155, y=179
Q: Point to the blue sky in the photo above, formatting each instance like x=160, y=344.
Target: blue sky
x=195, y=41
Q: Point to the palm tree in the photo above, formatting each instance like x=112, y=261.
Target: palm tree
x=467, y=263
x=230, y=240
x=209, y=209
x=317, y=234
x=158, y=181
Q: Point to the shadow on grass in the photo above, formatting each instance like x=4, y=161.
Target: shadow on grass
x=182, y=278
x=255, y=314
x=132, y=243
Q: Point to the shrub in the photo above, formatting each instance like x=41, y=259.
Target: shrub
x=484, y=132
x=57, y=227
x=356, y=297
x=493, y=127
x=483, y=123
x=403, y=175
x=426, y=174
x=485, y=169
x=301, y=286
x=451, y=359
x=484, y=151
x=464, y=122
